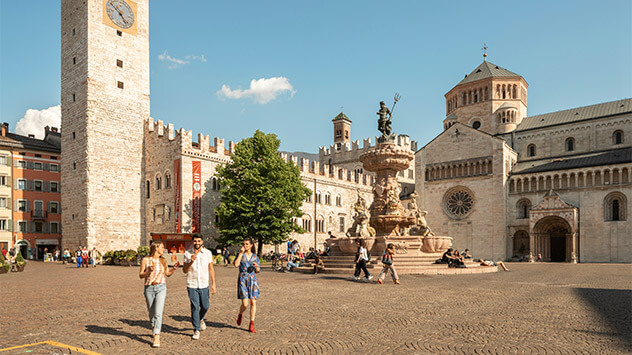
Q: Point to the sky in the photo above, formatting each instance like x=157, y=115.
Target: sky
x=228, y=68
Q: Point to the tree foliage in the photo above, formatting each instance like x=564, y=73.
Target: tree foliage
x=261, y=193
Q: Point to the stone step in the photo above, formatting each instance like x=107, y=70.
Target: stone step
x=436, y=269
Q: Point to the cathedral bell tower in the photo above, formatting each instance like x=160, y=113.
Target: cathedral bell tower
x=342, y=130
x=490, y=98
x=104, y=102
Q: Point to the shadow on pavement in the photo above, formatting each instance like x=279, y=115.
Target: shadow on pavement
x=116, y=331
x=147, y=325
x=615, y=307
x=208, y=323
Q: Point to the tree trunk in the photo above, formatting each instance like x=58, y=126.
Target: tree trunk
x=259, y=247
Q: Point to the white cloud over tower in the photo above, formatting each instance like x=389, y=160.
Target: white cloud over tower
x=261, y=91
x=34, y=121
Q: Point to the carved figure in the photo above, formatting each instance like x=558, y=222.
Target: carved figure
x=423, y=225
x=392, y=201
x=360, y=226
x=384, y=122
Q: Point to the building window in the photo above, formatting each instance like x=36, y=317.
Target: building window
x=74, y=165
x=3, y=180
x=120, y=85
x=327, y=199
x=22, y=226
x=74, y=135
x=522, y=208
x=38, y=185
x=476, y=125
x=617, y=137
x=54, y=168
x=318, y=198
x=38, y=227
x=3, y=202
x=37, y=166
x=74, y=98
x=119, y=63
x=158, y=182
x=458, y=202
x=309, y=198
x=148, y=187
x=338, y=133
x=74, y=60
x=167, y=180
x=339, y=201
x=570, y=144
x=320, y=224
x=531, y=150
x=342, y=224
x=4, y=224
x=307, y=223
x=22, y=164
x=54, y=187
x=615, y=207
x=119, y=33
x=3, y=160
x=54, y=207
x=54, y=227
x=21, y=184
x=22, y=205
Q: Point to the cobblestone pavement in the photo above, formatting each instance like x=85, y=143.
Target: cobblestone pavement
x=534, y=309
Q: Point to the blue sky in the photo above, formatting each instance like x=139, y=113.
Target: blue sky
x=332, y=54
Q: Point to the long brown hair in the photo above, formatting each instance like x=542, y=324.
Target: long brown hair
x=253, y=249
x=152, y=250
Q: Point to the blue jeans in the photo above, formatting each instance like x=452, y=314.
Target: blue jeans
x=155, y=298
x=199, y=305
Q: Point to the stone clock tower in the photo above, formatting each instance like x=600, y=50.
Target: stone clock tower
x=104, y=102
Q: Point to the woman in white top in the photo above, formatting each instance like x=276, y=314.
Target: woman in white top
x=362, y=258
x=153, y=269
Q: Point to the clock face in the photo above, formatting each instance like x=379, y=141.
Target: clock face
x=120, y=13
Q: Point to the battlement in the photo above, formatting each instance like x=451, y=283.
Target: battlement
x=316, y=169
x=346, y=151
x=185, y=139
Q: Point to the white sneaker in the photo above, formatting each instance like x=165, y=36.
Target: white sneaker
x=196, y=335
x=202, y=325
x=369, y=278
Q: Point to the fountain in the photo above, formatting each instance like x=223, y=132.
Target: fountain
x=386, y=220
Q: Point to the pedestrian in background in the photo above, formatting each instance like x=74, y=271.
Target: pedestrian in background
x=387, y=265
x=153, y=269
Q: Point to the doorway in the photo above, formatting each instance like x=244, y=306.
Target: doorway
x=558, y=243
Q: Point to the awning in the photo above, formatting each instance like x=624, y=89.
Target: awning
x=46, y=242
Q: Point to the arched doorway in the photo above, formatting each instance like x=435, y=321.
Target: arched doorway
x=23, y=247
x=552, y=239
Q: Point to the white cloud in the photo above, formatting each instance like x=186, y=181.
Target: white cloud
x=176, y=63
x=34, y=121
x=261, y=91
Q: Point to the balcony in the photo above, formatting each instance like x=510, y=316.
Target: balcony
x=39, y=214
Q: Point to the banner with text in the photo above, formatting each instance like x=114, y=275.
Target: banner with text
x=197, y=194
x=176, y=185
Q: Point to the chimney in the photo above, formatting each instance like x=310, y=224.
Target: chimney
x=5, y=129
x=46, y=129
x=31, y=136
x=54, y=129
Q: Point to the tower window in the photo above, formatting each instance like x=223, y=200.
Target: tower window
x=120, y=84
x=74, y=98
x=73, y=135
x=531, y=150
x=118, y=33
x=570, y=144
x=74, y=60
x=119, y=63
x=74, y=165
x=617, y=137
x=476, y=125
x=73, y=31
x=346, y=134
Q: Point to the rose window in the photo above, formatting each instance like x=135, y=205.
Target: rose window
x=458, y=202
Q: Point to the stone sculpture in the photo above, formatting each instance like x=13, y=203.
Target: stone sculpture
x=361, y=215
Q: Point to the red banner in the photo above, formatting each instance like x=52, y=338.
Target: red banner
x=197, y=194
x=176, y=185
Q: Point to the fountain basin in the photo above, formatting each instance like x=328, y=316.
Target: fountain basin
x=436, y=244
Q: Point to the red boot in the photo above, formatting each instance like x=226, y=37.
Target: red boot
x=239, y=319
x=252, y=326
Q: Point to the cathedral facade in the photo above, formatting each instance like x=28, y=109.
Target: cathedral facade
x=499, y=182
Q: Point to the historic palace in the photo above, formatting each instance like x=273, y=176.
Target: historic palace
x=499, y=182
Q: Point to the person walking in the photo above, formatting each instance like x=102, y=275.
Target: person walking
x=387, y=262
x=94, y=255
x=153, y=268
x=78, y=257
x=84, y=257
x=362, y=257
x=247, y=283
x=198, y=265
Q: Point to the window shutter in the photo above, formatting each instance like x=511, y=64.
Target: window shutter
x=59, y=207
x=17, y=205
x=30, y=165
x=48, y=207
x=28, y=206
x=30, y=185
x=15, y=183
x=16, y=163
x=10, y=225
x=46, y=167
x=16, y=227
x=46, y=227
x=29, y=227
x=46, y=186
x=9, y=161
x=59, y=228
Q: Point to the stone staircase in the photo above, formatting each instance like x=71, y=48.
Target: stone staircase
x=405, y=265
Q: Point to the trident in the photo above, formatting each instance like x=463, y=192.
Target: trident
x=396, y=98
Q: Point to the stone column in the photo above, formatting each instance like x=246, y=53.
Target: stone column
x=531, y=247
x=573, y=252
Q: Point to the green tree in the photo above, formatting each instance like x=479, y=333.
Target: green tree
x=261, y=193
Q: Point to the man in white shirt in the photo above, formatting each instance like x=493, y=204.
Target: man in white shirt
x=198, y=265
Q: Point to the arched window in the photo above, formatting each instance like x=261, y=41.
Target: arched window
x=320, y=224
x=617, y=137
x=531, y=150
x=339, y=201
x=570, y=144
x=307, y=223
x=522, y=208
x=319, y=197
x=158, y=182
x=167, y=180
x=476, y=125
x=327, y=198
x=214, y=184
x=615, y=207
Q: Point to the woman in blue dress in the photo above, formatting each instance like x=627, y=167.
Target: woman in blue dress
x=247, y=284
